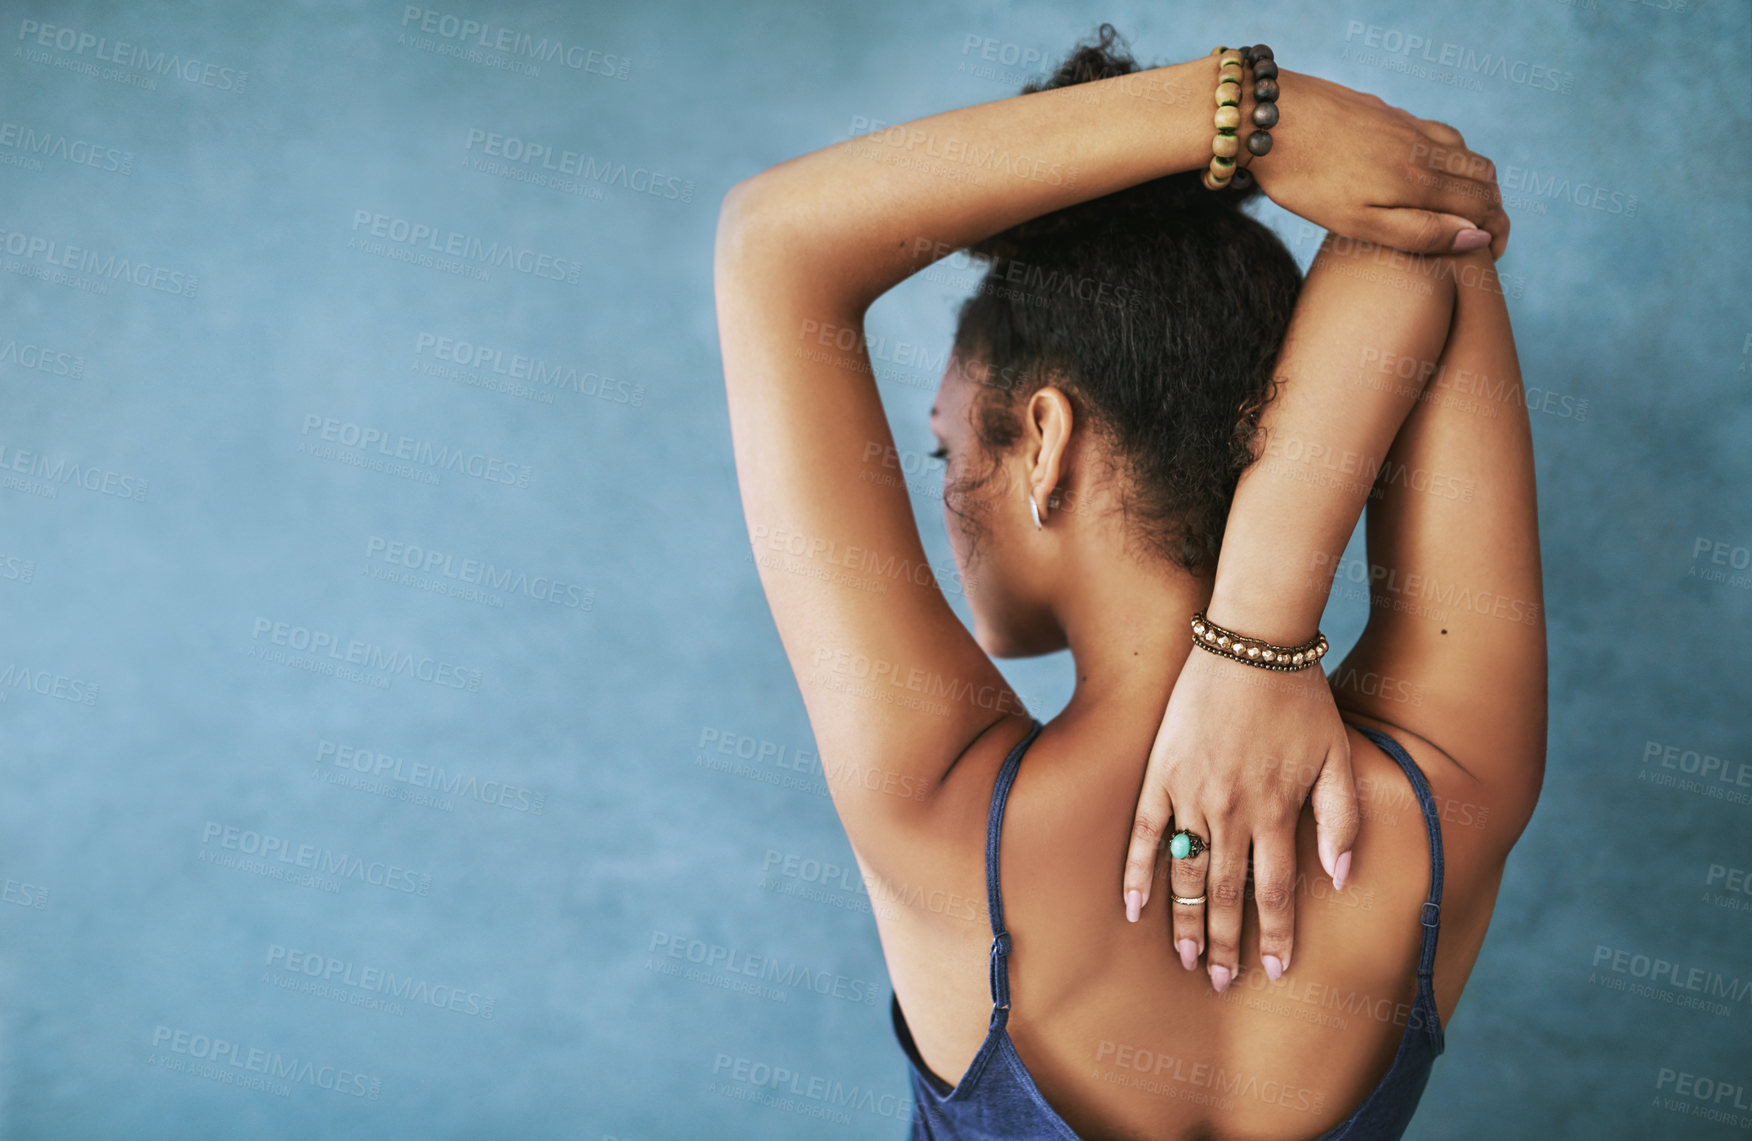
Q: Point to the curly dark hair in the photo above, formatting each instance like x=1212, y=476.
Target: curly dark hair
x=1159, y=310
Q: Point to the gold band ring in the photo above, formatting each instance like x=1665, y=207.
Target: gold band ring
x=1193, y=902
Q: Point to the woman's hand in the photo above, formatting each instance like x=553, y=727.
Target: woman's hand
x=1350, y=163
x=1235, y=758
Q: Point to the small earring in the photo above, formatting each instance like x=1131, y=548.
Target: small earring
x=1034, y=510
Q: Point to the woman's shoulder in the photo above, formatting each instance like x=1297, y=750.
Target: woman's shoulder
x=1473, y=815
x=940, y=844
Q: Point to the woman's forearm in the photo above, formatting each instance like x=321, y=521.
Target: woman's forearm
x=1368, y=327
x=858, y=217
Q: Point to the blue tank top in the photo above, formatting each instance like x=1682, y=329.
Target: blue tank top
x=997, y=1099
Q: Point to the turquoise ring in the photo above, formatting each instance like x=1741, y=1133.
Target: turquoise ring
x=1184, y=845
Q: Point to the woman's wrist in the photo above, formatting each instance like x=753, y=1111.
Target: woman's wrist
x=1287, y=616
x=1273, y=578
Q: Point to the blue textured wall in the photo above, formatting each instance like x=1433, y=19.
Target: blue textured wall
x=339, y=645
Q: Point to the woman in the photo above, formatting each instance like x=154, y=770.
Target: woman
x=1140, y=376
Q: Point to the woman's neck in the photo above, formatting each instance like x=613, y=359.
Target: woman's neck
x=1127, y=627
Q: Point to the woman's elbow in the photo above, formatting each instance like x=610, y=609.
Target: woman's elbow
x=736, y=215
x=751, y=220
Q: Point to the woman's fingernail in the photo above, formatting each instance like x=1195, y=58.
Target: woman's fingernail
x=1341, y=872
x=1134, y=905
x=1220, y=978
x=1274, y=967
x=1188, y=954
x=1470, y=240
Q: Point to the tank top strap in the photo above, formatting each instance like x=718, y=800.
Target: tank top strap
x=1000, y=965
x=1431, y=918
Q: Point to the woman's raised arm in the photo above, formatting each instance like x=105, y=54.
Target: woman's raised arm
x=1239, y=747
x=850, y=217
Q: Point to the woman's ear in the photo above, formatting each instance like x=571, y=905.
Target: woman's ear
x=1049, y=421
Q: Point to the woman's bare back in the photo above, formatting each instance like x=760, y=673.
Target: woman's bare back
x=1121, y=1040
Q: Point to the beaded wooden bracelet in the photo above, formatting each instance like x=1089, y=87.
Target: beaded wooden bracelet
x=1226, y=145
x=1207, y=635
x=1223, y=171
